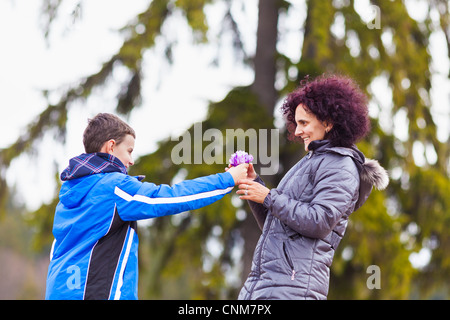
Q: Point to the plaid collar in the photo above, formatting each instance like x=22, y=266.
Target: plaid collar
x=92, y=163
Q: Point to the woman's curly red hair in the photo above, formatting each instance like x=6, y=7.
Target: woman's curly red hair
x=332, y=99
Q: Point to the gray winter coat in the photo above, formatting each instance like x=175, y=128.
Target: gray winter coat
x=304, y=219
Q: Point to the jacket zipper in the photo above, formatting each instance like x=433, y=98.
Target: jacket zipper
x=289, y=260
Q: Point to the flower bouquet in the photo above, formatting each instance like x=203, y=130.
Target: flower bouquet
x=240, y=157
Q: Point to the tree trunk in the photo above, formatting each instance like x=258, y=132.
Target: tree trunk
x=264, y=88
x=265, y=57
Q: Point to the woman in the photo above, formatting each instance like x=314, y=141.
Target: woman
x=305, y=217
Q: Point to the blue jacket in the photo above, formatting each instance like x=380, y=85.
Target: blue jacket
x=95, y=251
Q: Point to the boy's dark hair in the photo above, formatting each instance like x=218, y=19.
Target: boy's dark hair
x=104, y=127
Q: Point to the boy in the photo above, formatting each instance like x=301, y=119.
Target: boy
x=94, y=254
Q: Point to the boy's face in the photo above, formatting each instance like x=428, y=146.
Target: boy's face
x=122, y=151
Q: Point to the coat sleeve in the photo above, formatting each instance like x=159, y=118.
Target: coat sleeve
x=259, y=211
x=142, y=200
x=334, y=192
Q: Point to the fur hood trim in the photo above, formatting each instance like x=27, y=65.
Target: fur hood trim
x=374, y=174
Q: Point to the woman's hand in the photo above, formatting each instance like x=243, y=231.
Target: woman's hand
x=251, y=190
x=251, y=174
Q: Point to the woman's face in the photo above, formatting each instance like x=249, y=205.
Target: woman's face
x=309, y=128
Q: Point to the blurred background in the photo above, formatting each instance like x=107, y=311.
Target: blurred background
x=163, y=65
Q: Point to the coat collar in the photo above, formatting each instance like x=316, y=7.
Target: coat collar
x=370, y=171
x=323, y=146
x=92, y=163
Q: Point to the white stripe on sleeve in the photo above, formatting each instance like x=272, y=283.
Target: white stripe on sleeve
x=140, y=198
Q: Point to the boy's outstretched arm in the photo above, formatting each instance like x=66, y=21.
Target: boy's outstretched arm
x=136, y=200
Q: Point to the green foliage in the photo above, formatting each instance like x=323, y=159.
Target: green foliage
x=427, y=202
x=22, y=267
x=195, y=15
x=373, y=238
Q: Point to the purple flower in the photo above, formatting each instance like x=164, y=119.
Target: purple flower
x=240, y=157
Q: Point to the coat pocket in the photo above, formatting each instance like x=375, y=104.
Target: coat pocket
x=289, y=260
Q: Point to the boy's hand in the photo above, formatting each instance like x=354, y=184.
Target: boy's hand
x=251, y=173
x=239, y=172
